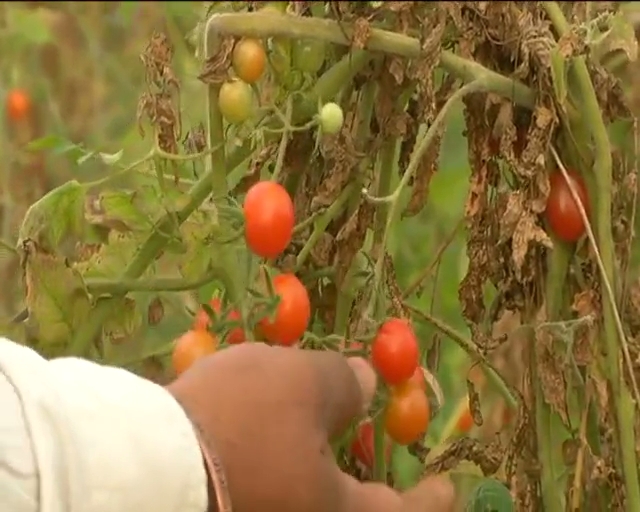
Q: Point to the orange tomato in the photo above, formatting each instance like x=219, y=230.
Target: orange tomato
x=249, y=60
x=18, y=104
x=292, y=314
x=406, y=417
x=190, y=347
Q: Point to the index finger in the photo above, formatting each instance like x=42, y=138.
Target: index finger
x=345, y=388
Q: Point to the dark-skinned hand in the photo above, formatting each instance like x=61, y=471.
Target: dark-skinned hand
x=271, y=412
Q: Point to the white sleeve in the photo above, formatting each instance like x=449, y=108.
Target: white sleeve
x=79, y=437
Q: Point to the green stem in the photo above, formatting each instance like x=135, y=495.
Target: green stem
x=416, y=158
x=615, y=344
x=264, y=24
x=107, y=286
x=472, y=351
x=323, y=221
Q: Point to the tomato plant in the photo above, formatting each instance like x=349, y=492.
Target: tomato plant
x=308, y=55
x=562, y=211
x=331, y=118
x=362, y=446
x=394, y=351
x=249, y=60
x=292, y=314
x=236, y=101
x=190, y=347
x=203, y=321
x=268, y=219
x=406, y=417
x=18, y=104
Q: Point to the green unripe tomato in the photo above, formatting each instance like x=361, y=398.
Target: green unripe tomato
x=331, y=118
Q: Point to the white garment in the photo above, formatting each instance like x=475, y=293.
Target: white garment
x=79, y=437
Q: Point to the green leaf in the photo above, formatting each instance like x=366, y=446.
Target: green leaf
x=55, y=296
x=124, y=321
x=111, y=259
x=121, y=209
x=111, y=158
x=196, y=234
x=490, y=496
x=59, y=146
x=56, y=215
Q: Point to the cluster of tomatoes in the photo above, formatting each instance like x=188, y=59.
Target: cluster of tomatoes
x=396, y=357
x=269, y=222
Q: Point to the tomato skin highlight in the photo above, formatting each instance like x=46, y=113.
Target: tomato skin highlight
x=249, y=60
x=235, y=101
x=362, y=446
x=202, y=321
x=269, y=219
x=18, y=104
x=190, y=347
x=394, y=352
x=292, y=314
x=562, y=212
x=406, y=417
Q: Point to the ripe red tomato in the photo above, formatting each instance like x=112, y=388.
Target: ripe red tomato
x=293, y=312
x=268, y=219
x=362, y=446
x=465, y=421
x=249, y=60
x=562, y=211
x=406, y=417
x=394, y=351
x=190, y=347
x=18, y=104
x=235, y=100
x=202, y=321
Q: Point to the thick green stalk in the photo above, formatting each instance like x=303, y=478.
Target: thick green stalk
x=602, y=169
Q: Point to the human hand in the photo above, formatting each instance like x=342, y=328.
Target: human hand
x=271, y=412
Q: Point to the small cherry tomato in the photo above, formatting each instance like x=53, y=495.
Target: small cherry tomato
x=190, y=347
x=249, y=60
x=465, y=421
x=362, y=446
x=331, y=118
x=394, y=351
x=292, y=314
x=236, y=101
x=268, y=219
x=308, y=55
x=406, y=417
x=202, y=321
x=562, y=211
x=18, y=104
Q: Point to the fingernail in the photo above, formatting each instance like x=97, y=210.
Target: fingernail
x=366, y=378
